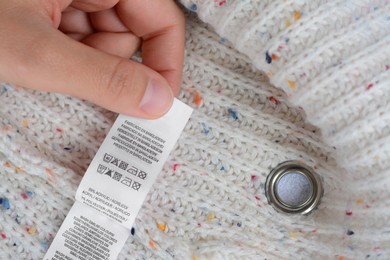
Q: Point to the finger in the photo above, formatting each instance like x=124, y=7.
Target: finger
x=70, y=67
x=76, y=36
x=107, y=21
x=93, y=5
x=120, y=44
x=76, y=22
x=160, y=23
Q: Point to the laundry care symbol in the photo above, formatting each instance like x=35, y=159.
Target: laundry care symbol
x=117, y=176
x=108, y=158
x=101, y=169
x=130, y=183
x=108, y=172
x=136, y=185
x=136, y=172
x=104, y=170
x=133, y=170
x=127, y=181
x=142, y=175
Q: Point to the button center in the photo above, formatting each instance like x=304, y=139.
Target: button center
x=294, y=188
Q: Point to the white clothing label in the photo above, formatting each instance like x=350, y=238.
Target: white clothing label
x=86, y=234
x=115, y=185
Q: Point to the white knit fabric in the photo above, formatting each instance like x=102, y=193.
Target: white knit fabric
x=209, y=202
x=331, y=57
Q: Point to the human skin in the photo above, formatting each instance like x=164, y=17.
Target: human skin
x=82, y=48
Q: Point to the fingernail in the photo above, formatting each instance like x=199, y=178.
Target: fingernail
x=157, y=98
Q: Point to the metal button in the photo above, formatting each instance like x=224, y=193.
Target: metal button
x=293, y=187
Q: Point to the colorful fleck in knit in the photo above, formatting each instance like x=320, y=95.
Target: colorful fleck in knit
x=330, y=57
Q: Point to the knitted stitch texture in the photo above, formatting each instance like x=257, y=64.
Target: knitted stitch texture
x=208, y=202
x=332, y=58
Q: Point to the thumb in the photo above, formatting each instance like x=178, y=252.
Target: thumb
x=48, y=60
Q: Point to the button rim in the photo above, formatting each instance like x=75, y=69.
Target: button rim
x=284, y=168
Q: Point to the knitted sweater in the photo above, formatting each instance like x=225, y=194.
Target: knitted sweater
x=331, y=58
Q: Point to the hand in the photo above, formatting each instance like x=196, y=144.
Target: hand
x=82, y=48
